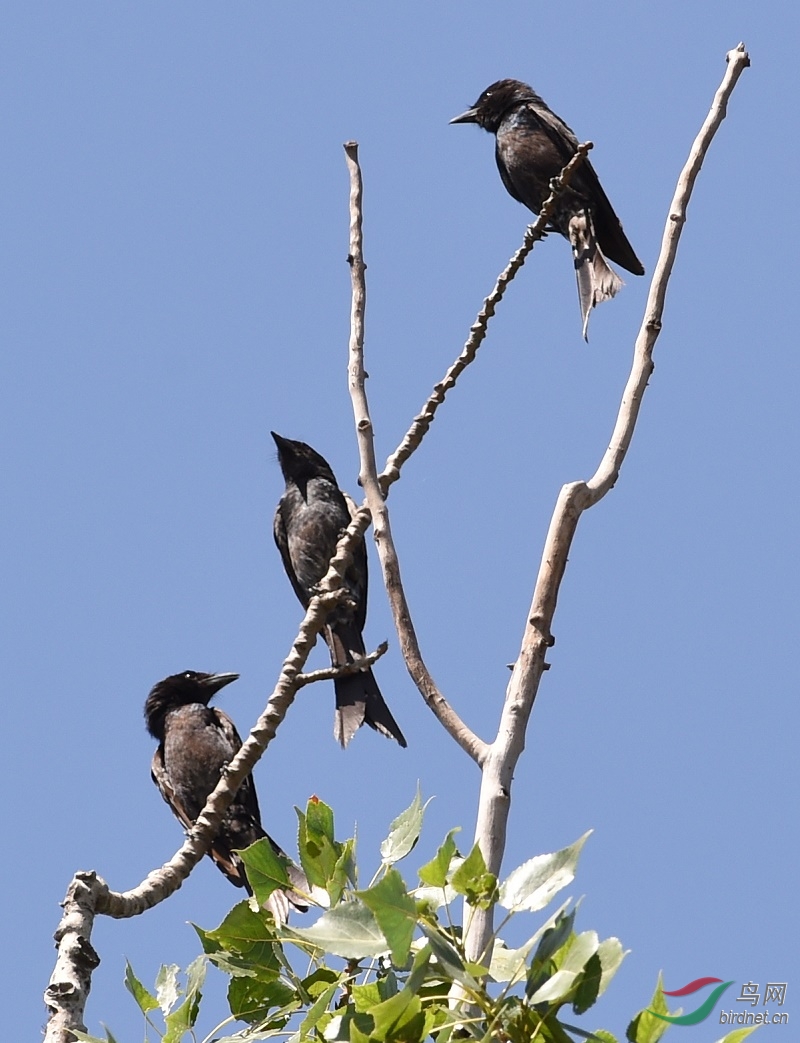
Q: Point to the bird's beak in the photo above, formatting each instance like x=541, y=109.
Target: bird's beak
x=217, y=681
x=470, y=116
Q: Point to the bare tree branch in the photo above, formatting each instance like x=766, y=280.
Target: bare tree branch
x=89, y=895
x=376, y=487
x=330, y=673
x=368, y=479
x=574, y=498
x=478, y=330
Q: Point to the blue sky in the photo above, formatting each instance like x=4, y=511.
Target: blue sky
x=174, y=233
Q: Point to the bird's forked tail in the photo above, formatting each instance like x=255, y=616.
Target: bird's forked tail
x=597, y=282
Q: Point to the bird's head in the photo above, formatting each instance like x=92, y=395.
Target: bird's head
x=494, y=103
x=299, y=462
x=182, y=689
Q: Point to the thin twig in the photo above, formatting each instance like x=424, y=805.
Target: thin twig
x=89, y=895
x=330, y=673
x=478, y=330
x=376, y=487
x=368, y=478
x=574, y=498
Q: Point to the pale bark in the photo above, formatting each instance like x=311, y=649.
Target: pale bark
x=89, y=895
x=498, y=769
x=498, y=759
x=376, y=487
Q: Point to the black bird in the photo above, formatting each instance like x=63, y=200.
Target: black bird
x=310, y=519
x=196, y=742
x=533, y=145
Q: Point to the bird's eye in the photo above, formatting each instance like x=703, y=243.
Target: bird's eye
x=188, y=675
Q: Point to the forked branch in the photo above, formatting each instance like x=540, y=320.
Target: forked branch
x=376, y=486
x=573, y=500
x=89, y=895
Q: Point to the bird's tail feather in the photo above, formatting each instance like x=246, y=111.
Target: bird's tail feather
x=359, y=701
x=358, y=697
x=597, y=282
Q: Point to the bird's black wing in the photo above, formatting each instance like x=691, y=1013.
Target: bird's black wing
x=220, y=853
x=357, y=577
x=563, y=137
x=281, y=535
x=244, y=827
x=533, y=145
x=608, y=228
x=159, y=775
x=245, y=798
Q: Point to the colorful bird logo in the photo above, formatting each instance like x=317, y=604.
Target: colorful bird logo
x=703, y=1010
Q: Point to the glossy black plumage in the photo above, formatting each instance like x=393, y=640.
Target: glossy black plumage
x=311, y=516
x=533, y=145
x=196, y=742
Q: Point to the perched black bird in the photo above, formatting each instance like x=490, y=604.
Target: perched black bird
x=196, y=742
x=533, y=145
x=310, y=519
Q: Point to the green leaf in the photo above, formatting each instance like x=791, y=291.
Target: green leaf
x=315, y=984
x=348, y=1027
x=196, y=975
x=182, y=1020
x=319, y=819
x=434, y=873
x=473, y=880
x=167, y=989
x=365, y=997
x=508, y=964
x=244, y=933
x=581, y=1033
x=611, y=956
x=570, y=960
x=86, y=1038
x=404, y=832
x=604, y=1036
x=236, y=966
x=435, y=897
x=737, y=1035
x=344, y=871
x=512, y=964
x=145, y=1001
x=326, y=863
x=266, y=870
x=316, y=1011
x=399, y=1018
x=552, y=941
x=317, y=852
x=251, y=1000
x=267, y=1030
x=447, y=956
x=209, y=944
x=555, y=988
x=582, y=947
x=534, y=884
x=419, y=969
x=395, y=912
x=587, y=985
x=645, y=1028
x=555, y=936
x=348, y=930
